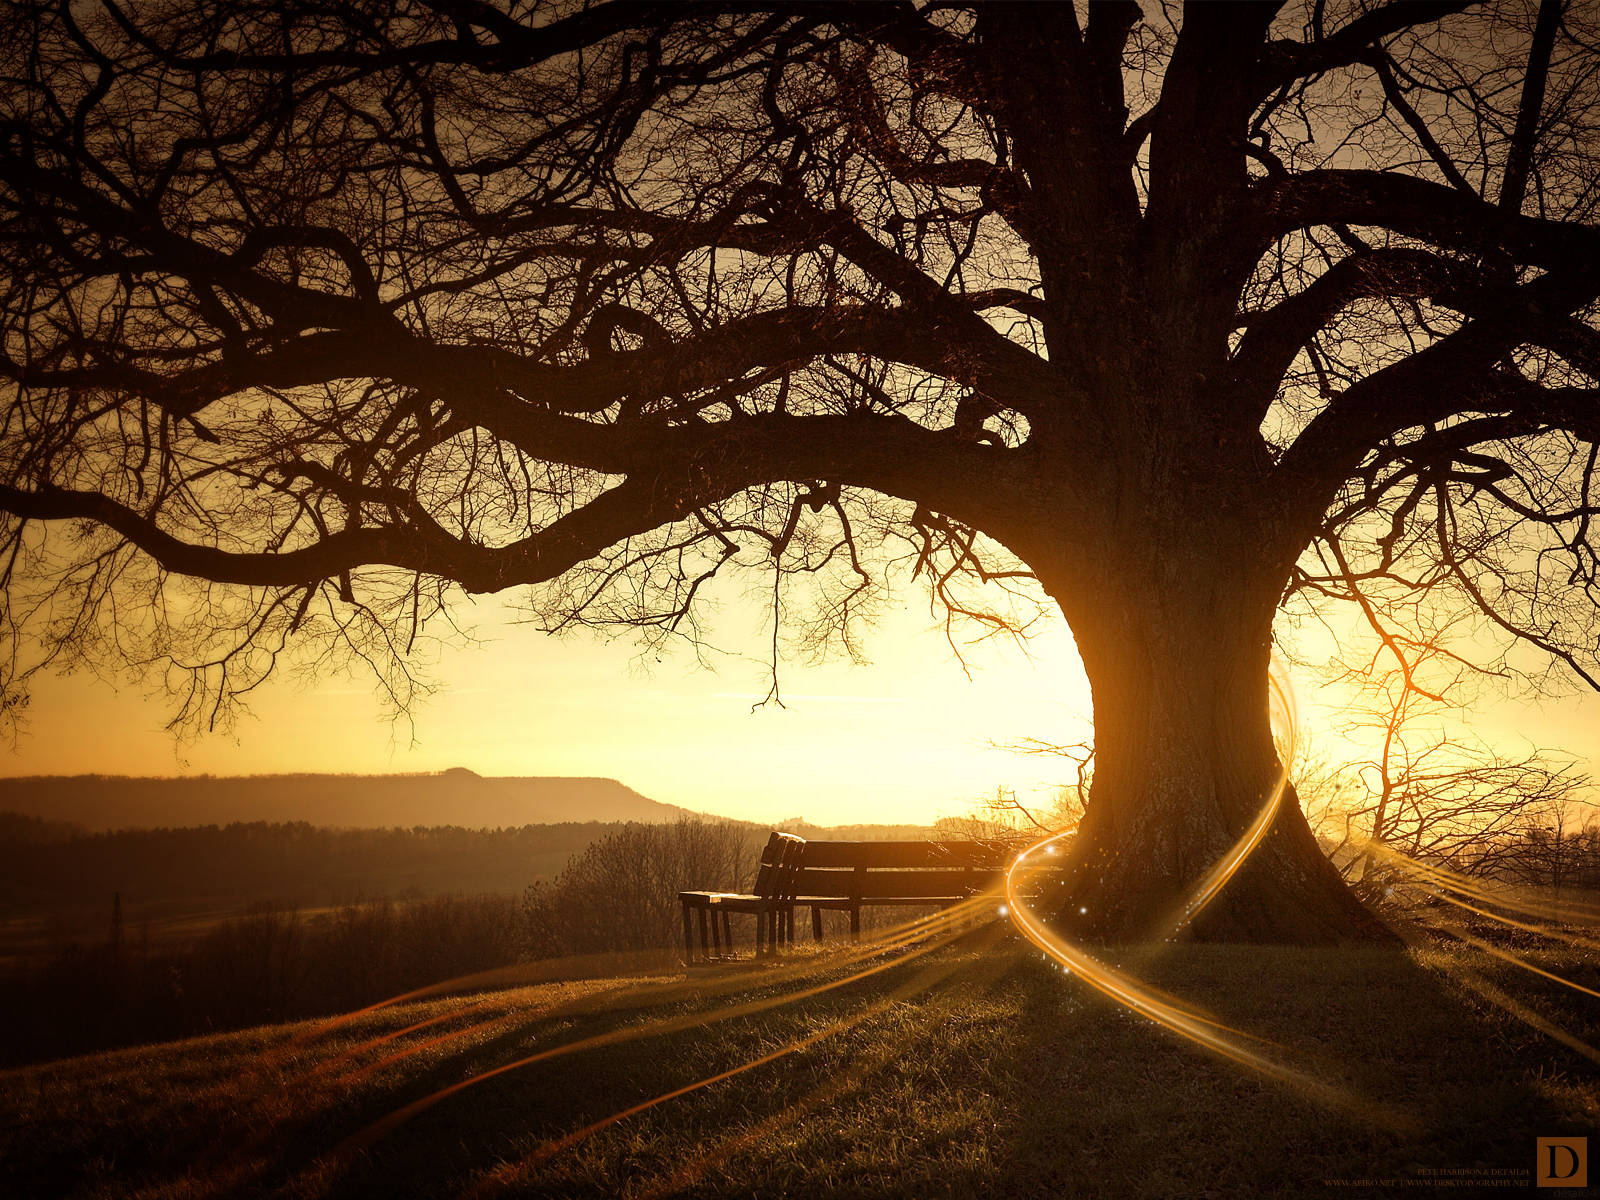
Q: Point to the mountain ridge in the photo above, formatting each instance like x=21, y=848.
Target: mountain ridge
x=456, y=796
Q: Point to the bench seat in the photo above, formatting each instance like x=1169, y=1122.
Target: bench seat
x=850, y=876
x=771, y=902
x=844, y=877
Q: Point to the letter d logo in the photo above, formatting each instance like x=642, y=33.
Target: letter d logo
x=1562, y=1162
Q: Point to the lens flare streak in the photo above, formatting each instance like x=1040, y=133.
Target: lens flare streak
x=1140, y=998
x=1443, y=881
x=1224, y=869
x=378, y=1129
x=510, y=1175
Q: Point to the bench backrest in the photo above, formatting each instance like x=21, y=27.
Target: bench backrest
x=872, y=870
x=780, y=863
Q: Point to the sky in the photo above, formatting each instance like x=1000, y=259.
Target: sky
x=909, y=738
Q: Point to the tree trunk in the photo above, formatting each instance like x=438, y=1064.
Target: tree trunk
x=1184, y=761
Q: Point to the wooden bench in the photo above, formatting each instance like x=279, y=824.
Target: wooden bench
x=771, y=901
x=848, y=876
x=842, y=876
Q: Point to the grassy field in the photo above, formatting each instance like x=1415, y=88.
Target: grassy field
x=972, y=1070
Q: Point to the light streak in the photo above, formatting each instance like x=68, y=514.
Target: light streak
x=1546, y=931
x=1523, y=1013
x=625, y=995
x=376, y=1130
x=336, y=1064
x=1444, y=880
x=1516, y=960
x=357, y=1074
x=1465, y=885
x=632, y=994
x=1138, y=997
x=835, y=1084
x=1118, y=986
x=512, y=1174
x=1224, y=869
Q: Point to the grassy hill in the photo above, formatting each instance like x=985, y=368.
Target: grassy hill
x=971, y=1071
x=455, y=797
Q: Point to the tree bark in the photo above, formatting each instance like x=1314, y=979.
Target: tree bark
x=1178, y=658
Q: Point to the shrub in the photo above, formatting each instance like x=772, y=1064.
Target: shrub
x=621, y=893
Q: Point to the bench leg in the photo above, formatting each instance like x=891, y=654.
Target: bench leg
x=688, y=936
x=774, y=920
x=727, y=931
x=716, y=935
x=705, y=952
x=761, y=932
x=816, y=923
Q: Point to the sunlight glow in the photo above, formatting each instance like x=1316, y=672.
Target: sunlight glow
x=1139, y=997
x=1225, y=868
x=910, y=739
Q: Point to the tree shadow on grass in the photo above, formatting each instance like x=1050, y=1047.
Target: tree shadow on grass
x=998, y=1077
x=1137, y=1112
x=1018, y=1085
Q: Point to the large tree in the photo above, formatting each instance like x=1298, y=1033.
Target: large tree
x=320, y=314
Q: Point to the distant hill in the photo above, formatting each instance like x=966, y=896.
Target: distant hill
x=455, y=797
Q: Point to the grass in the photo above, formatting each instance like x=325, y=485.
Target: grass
x=972, y=1071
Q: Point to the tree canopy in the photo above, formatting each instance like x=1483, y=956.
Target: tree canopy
x=317, y=312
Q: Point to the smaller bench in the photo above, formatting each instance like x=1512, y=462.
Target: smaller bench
x=771, y=901
x=848, y=876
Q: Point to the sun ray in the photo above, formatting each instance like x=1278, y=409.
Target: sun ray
x=1139, y=997
x=690, y=1173
x=1494, y=951
x=378, y=1129
x=512, y=1174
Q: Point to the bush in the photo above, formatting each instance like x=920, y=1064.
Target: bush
x=621, y=894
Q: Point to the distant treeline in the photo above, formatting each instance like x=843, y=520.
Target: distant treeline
x=52, y=866
x=309, y=921
x=46, y=866
x=266, y=964
x=270, y=963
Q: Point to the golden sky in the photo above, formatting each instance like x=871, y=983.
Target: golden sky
x=903, y=739
x=908, y=738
